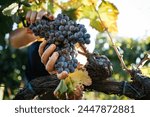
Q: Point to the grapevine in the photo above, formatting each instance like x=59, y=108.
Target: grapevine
x=67, y=35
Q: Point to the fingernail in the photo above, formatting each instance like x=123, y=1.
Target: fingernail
x=56, y=53
x=53, y=45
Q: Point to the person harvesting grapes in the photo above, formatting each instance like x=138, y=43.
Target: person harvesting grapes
x=36, y=55
x=52, y=54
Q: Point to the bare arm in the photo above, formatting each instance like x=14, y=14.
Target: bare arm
x=21, y=37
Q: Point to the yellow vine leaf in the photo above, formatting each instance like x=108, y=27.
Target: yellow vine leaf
x=109, y=15
x=106, y=10
x=86, y=12
x=71, y=4
x=89, y=2
x=79, y=77
x=70, y=8
x=146, y=71
x=97, y=25
x=68, y=85
x=52, y=6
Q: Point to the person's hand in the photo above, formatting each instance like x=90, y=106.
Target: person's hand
x=49, y=58
x=33, y=16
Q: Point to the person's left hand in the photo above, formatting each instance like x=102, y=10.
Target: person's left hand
x=49, y=58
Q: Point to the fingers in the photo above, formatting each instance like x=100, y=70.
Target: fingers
x=40, y=14
x=28, y=16
x=48, y=61
x=33, y=16
x=46, y=54
x=41, y=47
x=50, y=16
x=51, y=62
x=62, y=75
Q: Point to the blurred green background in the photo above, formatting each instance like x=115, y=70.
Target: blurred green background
x=13, y=61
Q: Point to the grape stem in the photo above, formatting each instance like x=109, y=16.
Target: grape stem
x=84, y=54
x=84, y=48
x=143, y=61
x=120, y=56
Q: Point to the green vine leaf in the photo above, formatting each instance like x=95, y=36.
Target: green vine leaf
x=61, y=89
x=97, y=25
x=71, y=13
x=11, y=9
x=70, y=8
x=16, y=18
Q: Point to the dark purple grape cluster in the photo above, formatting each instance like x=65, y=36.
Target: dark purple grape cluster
x=64, y=33
x=99, y=67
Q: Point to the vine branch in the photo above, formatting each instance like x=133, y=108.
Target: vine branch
x=120, y=57
x=43, y=87
x=143, y=61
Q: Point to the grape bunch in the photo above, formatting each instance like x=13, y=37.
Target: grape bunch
x=99, y=67
x=64, y=33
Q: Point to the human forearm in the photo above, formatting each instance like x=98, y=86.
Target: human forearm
x=21, y=37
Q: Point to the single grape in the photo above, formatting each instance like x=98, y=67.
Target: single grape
x=63, y=21
x=83, y=30
x=67, y=70
x=72, y=28
x=60, y=70
x=87, y=36
x=87, y=41
x=61, y=28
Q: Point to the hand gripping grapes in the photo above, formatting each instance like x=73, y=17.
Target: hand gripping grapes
x=48, y=57
x=57, y=51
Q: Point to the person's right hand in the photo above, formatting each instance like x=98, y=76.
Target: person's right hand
x=23, y=37
x=33, y=16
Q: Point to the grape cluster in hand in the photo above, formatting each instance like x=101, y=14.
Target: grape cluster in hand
x=64, y=33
